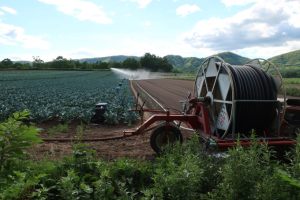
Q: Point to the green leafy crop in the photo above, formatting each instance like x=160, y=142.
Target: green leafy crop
x=65, y=95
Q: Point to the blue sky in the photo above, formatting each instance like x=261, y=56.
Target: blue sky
x=96, y=28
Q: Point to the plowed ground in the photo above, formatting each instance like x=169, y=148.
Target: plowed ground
x=168, y=92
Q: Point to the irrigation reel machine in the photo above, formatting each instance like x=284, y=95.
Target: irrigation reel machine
x=229, y=102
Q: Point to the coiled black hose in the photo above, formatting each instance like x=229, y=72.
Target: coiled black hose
x=252, y=83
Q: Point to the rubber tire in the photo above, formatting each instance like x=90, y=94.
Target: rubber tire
x=161, y=130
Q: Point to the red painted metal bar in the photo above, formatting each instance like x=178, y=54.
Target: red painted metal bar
x=198, y=119
x=191, y=119
x=203, y=111
x=293, y=108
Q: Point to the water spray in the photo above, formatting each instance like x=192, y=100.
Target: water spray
x=136, y=74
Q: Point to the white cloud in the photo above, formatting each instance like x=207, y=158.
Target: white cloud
x=268, y=24
x=51, y=55
x=147, y=24
x=81, y=53
x=81, y=9
x=268, y=52
x=141, y=3
x=8, y=10
x=187, y=9
x=229, y=3
x=15, y=35
x=138, y=47
x=160, y=47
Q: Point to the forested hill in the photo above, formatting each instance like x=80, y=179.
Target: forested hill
x=188, y=64
x=119, y=58
x=179, y=63
x=191, y=64
x=233, y=58
x=291, y=58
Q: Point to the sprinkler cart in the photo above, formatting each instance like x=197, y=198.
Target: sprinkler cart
x=229, y=102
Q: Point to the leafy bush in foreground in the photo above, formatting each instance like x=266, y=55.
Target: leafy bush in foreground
x=15, y=137
x=181, y=172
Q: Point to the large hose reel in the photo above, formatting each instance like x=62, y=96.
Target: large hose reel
x=242, y=97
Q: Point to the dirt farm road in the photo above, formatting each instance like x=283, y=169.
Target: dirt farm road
x=168, y=92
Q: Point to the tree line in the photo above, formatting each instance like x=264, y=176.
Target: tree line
x=149, y=62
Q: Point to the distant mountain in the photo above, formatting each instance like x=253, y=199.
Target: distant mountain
x=22, y=62
x=188, y=64
x=233, y=58
x=290, y=58
x=119, y=58
x=191, y=64
x=175, y=60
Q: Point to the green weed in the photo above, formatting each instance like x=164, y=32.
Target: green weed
x=182, y=171
x=60, y=128
x=293, y=91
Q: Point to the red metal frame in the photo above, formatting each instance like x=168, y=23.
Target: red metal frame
x=198, y=119
x=293, y=108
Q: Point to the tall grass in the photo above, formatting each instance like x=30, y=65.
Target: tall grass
x=293, y=91
x=291, y=80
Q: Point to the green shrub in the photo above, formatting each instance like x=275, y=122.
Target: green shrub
x=250, y=173
x=60, y=128
x=183, y=172
x=123, y=179
x=291, y=80
x=28, y=179
x=293, y=91
x=15, y=137
x=284, y=182
x=243, y=169
x=295, y=169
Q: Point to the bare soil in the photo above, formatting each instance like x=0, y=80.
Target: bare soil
x=135, y=146
x=168, y=92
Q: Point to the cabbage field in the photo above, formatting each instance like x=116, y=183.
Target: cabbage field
x=65, y=95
